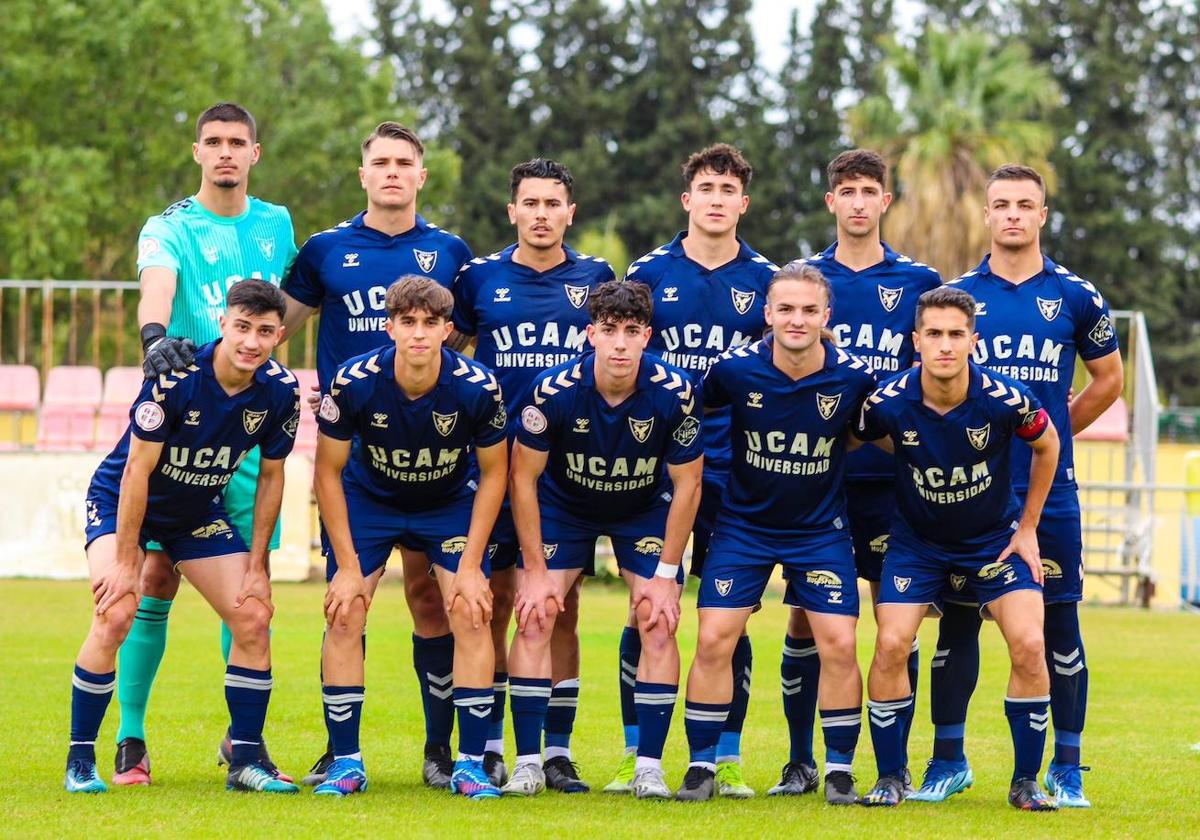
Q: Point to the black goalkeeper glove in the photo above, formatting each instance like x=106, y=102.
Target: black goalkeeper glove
x=163, y=353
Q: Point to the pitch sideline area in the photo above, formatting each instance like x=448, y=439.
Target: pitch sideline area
x=1142, y=725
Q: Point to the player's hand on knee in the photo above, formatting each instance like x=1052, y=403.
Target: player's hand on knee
x=255, y=584
x=117, y=582
x=472, y=587
x=534, y=590
x=661, y=595
x=1025, y=545
x=346, y=586
x=164, y=353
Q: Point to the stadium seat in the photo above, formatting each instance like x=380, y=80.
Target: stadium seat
x=306, y=435
x=68, y=420
x=121, y=386
x=1112, y=425
x=20, y=388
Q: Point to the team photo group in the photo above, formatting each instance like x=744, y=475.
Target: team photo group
x=849, y=415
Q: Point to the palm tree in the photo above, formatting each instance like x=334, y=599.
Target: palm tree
x=959, y=107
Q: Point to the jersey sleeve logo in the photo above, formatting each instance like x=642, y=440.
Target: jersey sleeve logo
x=979, y=437
x=293, y=423
x=577, y=295
x=1049, y=308
x=533, y=420
x=500, y=420
x=148, y=248
x=444, y=423
x=149, y=416
x=329, y=409
x=890, y=298
x=742, y=301
x=1102, y=333
x=641, y=428
x=827, y=405
x=251, y=420
x=687, y=431
x=426, y=260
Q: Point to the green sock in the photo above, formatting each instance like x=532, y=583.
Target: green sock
x=226, y=641
x=140, y=654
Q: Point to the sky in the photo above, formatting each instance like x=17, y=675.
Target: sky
x=768, y=17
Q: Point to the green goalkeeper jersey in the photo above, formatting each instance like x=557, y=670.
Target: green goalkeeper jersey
x=209, y=253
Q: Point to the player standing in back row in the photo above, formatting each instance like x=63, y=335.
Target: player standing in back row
x=188, y=258
x=709, y=289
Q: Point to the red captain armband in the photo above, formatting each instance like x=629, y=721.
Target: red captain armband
x=1033, y=425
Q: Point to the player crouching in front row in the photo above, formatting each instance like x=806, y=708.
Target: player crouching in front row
x=189, y=433
x=418, y=410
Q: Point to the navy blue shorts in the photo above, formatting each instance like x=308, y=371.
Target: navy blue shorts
x=569, y=541
x=711, y=489
x=819, y=570
x=504, y=546
x=870, y=506
x=916, y=572
x=376, y=527
x=209, y=535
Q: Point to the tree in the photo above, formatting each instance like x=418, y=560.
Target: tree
x=960, y=107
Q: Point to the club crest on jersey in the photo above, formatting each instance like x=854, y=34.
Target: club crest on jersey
x=267, y=246
x=742, y=301
x=670, y=294
x=687, y=431
x=1102, y=333
x=578, y=295
x=901, y=583
x=827, y=405
x=500, y=420
x=723, y=586
x=193, y=419
x=641, y=428
x=293, y=423
x=329, y=411
x=350, y=261
x=251, y=420
x=1049, y=308
x=549, y=550
x=210, y=254
x=648, y=545
x=444, y=423
x=426, y=260
x=957, y=582
x=979, y=437
x=379, y=420
x=890, y=298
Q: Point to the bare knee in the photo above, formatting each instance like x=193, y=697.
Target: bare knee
x=1028, y=654
x=892, y=648
x=159, y=579
x=839, y=652
x=714, y=648
x=425, y=603
x=111, y=628
x=250, y=625
x=350, y=624
x=798, y=626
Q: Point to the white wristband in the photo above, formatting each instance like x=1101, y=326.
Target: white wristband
x=666, y=570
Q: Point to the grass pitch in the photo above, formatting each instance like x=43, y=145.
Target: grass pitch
x=1143, y=736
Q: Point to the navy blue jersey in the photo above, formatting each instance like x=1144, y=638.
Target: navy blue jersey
x=1031, y=332
x=700, y=313
x=789, y=437
x=205, y=432
x=526, y=320
x=414, y=454
x=873, y=315
x=346, y=271
x=608, y=462
x=953, y=472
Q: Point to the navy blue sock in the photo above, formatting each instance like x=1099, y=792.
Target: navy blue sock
x=321, y=672
x=953, y=672
x=841, y=728
x=343, y=716
x=247, y=693
x=887, y=734
x=560, y=718
x=474, y=717
x=655, y=705
x=529, y=699
x=799, y=675
x=631, y=655
x=1067, y=663
x=729, y=747
x=495, y=739
x=1028, y=718
x=90, y=694
x=914, y=671
x=703, y=723
x=433, y=660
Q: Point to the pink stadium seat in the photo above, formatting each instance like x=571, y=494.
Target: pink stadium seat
x=1112, y=425
x=69, y=406
x=121, y=386
x=306, y=435
x=20, y=388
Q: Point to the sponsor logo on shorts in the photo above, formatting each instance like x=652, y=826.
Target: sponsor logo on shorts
x=444, y=423
x=1051, y=568
x=533, y=420
x=214, y=529
x=149, y=416
x=823, y=577
x=835, y=596
x=426, y=260
x=957, y=582
x=251, y=420
x=454, y=545
x=549, y=550
x=890, y=297
x=742, y=301
x=723, y=586
x=329, y=411
x=641, y=428
x=902, y=583
x=827, y=405
x=994, y=570
x=577, y=295
x=879, y=545
x=648, y=545
x=979, y=437
x=687, y=431
x=1049, y=308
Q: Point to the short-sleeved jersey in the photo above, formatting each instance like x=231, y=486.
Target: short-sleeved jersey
x=526, y=320
x=205, y=432
x=209, y=253
x=609, y=462
x=873, y=315
x=953, y=471
x=1031, y=332
x=346, y=271
x=413, y=454
x=700, y=313
x=789, y=437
